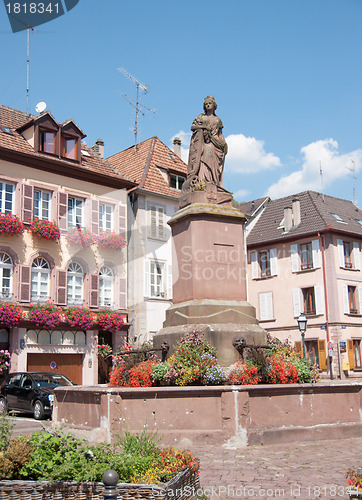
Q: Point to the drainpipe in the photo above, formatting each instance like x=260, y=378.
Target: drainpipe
x=326, y=300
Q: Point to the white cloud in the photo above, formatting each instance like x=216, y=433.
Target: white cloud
x=325, y=154
x=185, y=141
x=247, y=155
x=241, y=194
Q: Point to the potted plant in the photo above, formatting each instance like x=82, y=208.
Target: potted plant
x=43, y=228
x=81, y=236
x=10, y=225
x=354, y=480
x=45, y=315
x=80, y=317
x=10, y=314
x=107, y=239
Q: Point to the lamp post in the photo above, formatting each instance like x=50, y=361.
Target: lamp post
x=302, y=325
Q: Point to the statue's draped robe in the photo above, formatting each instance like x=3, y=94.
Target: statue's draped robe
x=207, y=154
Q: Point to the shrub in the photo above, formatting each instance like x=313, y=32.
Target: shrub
x=159, y=371
x=4, y=361
x=43, y=228
x=282, y=371
x=214, y=375
x=140, y=375
x=19, y=453
x=6, y=429
x=243, y=374
x=10, y=224
x=10, y=314
x=45, y=315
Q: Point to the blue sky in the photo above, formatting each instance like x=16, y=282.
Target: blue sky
x=286, y=74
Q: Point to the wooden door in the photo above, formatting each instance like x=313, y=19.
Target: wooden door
x=69, y=365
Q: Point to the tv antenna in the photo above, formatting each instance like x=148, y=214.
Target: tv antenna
x=321, y=174
x=135, y=102
x=354, y=177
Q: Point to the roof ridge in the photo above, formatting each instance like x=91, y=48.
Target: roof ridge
x=148, y=162
x=315, y=206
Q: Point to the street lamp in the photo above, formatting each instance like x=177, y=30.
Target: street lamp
x=302, y=325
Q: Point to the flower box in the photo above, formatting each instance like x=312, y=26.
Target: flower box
x=180, y=486
x=10, y=225
x=10, y=314
x=45, y=315
x=111, y=240
x=81, y=236
x=43, y=228
x=110, y=321
x=80, y=317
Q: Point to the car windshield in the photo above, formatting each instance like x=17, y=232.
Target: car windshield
x=45, y=380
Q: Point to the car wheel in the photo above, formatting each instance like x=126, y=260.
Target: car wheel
x=3, y=406
x=38, y=410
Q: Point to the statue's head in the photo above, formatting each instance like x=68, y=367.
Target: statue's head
x=212, y=99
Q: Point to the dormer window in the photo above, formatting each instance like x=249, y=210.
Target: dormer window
x=176, y=181
x=47, y=142
x=69, y=148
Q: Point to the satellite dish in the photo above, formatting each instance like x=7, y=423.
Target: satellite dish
x=39, y=108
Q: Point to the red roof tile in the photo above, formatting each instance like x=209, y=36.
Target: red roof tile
x=145, y=165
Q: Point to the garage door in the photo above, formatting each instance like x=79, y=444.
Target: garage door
x=69, y=365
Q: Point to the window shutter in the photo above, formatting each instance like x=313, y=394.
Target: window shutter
x=95, y=216
x=294, y=259
x=356, y=256
x=61, y=287
x=169, y=281
x=316, y=254
x=360, y=299
x=153, y=221
x=254, y=265
x=345, y=299
x=147, y=284
x=350, y=354
x=265, y=306
x=298, y=346
x=27, y=203
x=161, y=223
x=122, y=221
x=322, y=351
x=63, y=210
x=93, y=290
x=273, y=261
x=340, y=253
x=123, y=293
x=24, y=283
x=297, y=307
x=319, y=299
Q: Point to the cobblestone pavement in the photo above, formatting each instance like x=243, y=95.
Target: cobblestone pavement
x=309, y=470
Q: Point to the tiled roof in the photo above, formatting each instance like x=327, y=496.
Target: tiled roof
x=250, y=207
x=144, y=166
x=316, y=216
x=15, y=142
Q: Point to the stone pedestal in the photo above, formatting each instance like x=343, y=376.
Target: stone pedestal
x=209, y=275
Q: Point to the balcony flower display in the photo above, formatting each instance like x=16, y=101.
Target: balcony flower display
x=45, y=315
x=112, y=240
x=10, y=225
x=4, y=362
x=110, y=321
x=10, y=314
x=81, y=236
x=80, y=317
x=43, y=228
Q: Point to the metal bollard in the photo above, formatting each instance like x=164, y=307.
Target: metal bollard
x=110, y=480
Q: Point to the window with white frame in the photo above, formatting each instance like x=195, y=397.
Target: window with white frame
x=75, y=279
x=306, y=255
x=7, y=191
x=40, y=280
x=266, y=306
x=158, y=279
x=6, y=276
x=349, y=254
x=352, y=299
x=75, y=212
x=42, y=202
x=106, y=217
x=176, y=181
x=309, y=300
x=106, y=284
x=264, y=263
x=156, y=221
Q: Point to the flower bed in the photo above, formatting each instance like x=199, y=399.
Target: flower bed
x=43, y=228
x=10, y=224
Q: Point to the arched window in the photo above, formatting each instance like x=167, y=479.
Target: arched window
x=106, y=280
x=40, y=280
x=75, y=278
x=6, y=276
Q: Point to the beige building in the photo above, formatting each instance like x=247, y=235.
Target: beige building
x=304, y=255
x=46, y=172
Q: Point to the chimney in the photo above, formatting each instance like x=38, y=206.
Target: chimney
x=288, y=218
x=98, y=148
x=296, y=211
x=177, y=146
